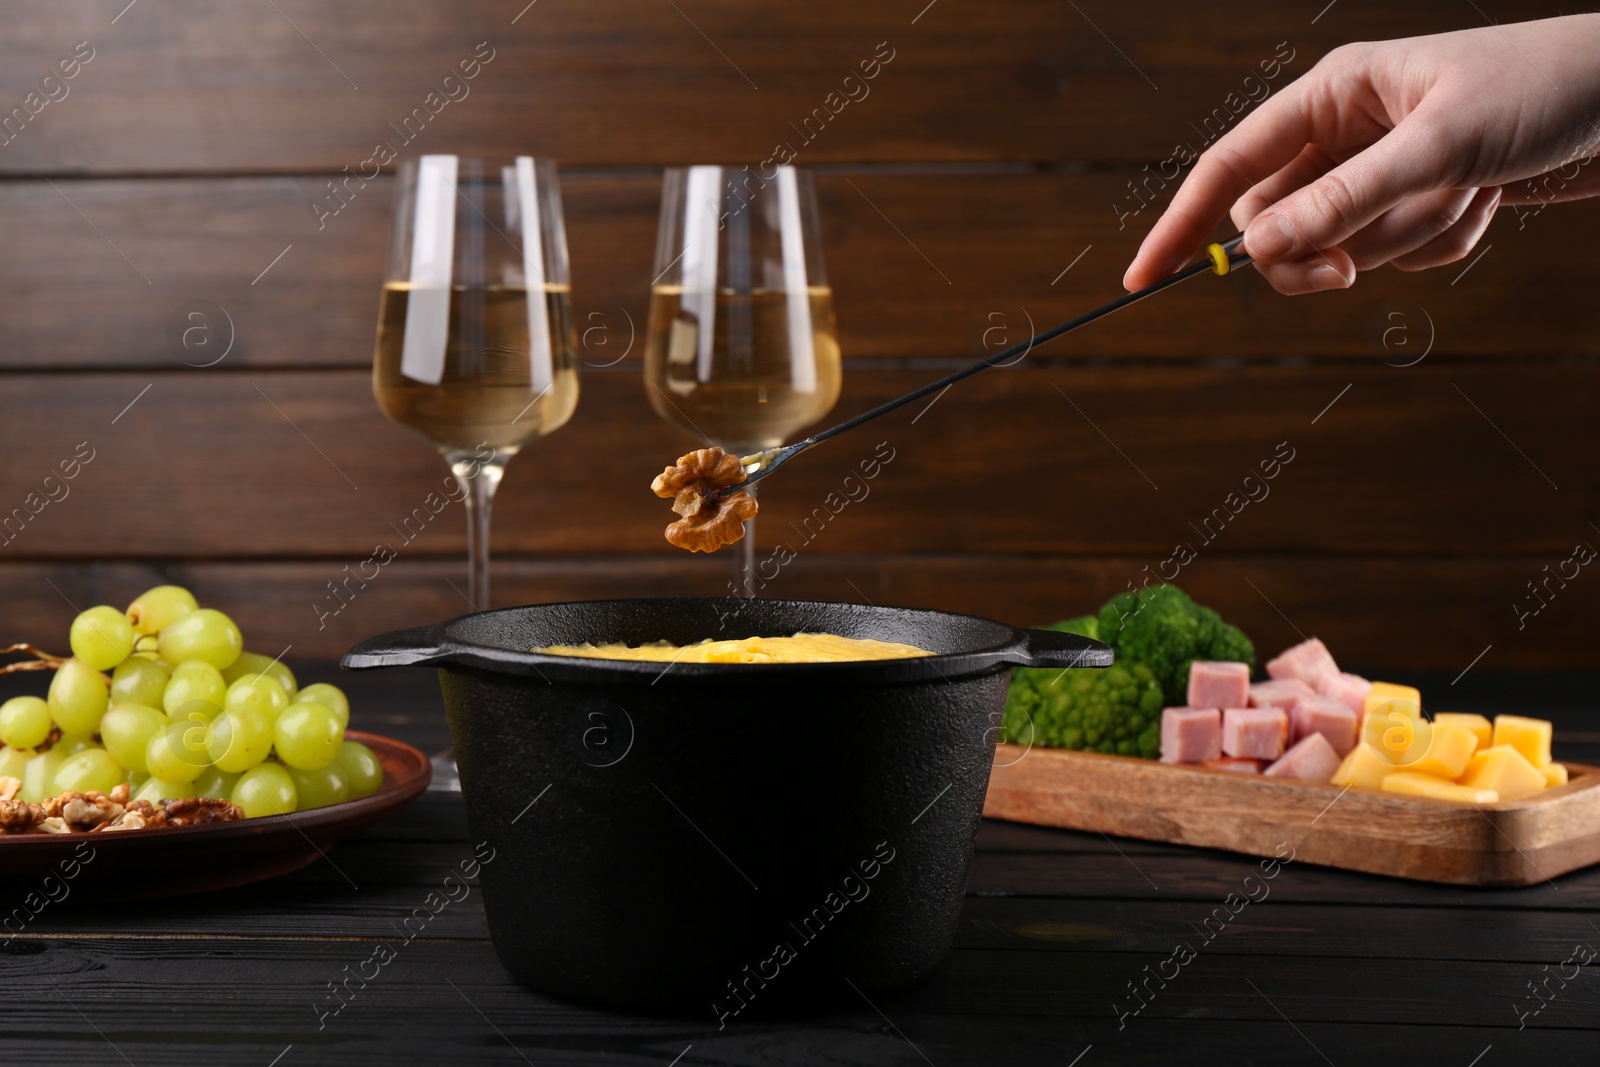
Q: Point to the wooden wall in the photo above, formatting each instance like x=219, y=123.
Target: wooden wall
x=983, y=182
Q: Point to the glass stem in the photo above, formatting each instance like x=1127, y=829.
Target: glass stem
x=479, y=476
x=744, y=558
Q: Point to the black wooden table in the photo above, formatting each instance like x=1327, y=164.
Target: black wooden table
x=1058, y=930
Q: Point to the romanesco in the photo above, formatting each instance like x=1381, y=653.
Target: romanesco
x=1116, y=710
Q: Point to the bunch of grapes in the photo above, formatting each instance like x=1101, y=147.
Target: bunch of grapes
x=186, y=712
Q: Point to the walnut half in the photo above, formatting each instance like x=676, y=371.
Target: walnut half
x=694, y=484
x=82, y=811
x=19, y=816
x=193, y=811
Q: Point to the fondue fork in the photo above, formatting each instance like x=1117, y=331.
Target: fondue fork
x=1220, y=258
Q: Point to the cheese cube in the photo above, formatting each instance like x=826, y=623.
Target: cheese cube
x=1474, y=765
x=1554, y=774
x=1448, y=751
x=1382, y=693
x=1436, y=788
x=1363, y=768
x=1341, y=774
x=1531, y=737
x=1397, y=732
x=1507, y=772
x=1476, y=723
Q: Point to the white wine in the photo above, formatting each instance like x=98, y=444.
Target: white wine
x=745, y=370
x=480, y=376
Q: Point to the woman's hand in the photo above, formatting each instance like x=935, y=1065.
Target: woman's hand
x=1395, y=152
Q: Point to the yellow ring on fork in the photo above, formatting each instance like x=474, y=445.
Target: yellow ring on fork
x=1219, y=258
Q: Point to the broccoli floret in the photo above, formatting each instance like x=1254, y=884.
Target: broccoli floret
x=1116, y=710
x=1162, y=628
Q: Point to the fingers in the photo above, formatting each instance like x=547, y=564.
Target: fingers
x=1331, y=268
x=1408, y=226
x=1574, y=181
x=1277, y=173
x=1311, y=164
x=1264, y=141
x=1406, y=161
x=1459, y=239
x=1427, y=230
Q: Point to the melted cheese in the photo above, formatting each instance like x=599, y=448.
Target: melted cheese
x=801, y=648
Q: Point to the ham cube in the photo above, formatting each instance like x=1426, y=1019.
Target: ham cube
x=1279, y=693
x=1350, y=689
x=1312, y=759
x=1190, y=735
x=1309, y=661
x=1237, y=766
x=1218, y=684
x=1338, y=724
x=1254, y=733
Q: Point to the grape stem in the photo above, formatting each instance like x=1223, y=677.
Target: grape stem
x=43, y=661
x=49, y=658
x=29, y=665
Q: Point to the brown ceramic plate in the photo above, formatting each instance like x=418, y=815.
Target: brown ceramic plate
x=192, y=859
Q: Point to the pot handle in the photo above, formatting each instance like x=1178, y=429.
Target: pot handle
x=1055, y=648
x=398, y=648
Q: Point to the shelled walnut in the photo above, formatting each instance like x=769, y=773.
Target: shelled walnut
x=95, y=812
x=695, y=484
x=192, y=811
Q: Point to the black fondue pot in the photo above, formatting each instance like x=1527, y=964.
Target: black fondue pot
x=722, y=838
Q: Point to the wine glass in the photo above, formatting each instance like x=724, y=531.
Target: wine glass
x=477, y=349
x=742, y=345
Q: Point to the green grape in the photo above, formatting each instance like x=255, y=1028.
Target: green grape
x=255, y=663
x=307, y=736
x=321, y=787
x=140, y=681
x=205, y=634
x=195, y=713
x=78, y=697
x=156, y=609
x=72, y=744
x=260, y=692
x=93, y=768
x=361, y=768
x=13, y=761
x=196, y=688
x=38, y=775
x=24, y=722
x=102, y=637
x=238, y=739
x=265, y=790
x=215, y=783
x=155, y=790
x=178, y=752
x=126, y=731
x=330, y=697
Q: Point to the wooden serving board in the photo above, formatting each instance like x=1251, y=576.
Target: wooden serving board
x=1517, y=843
